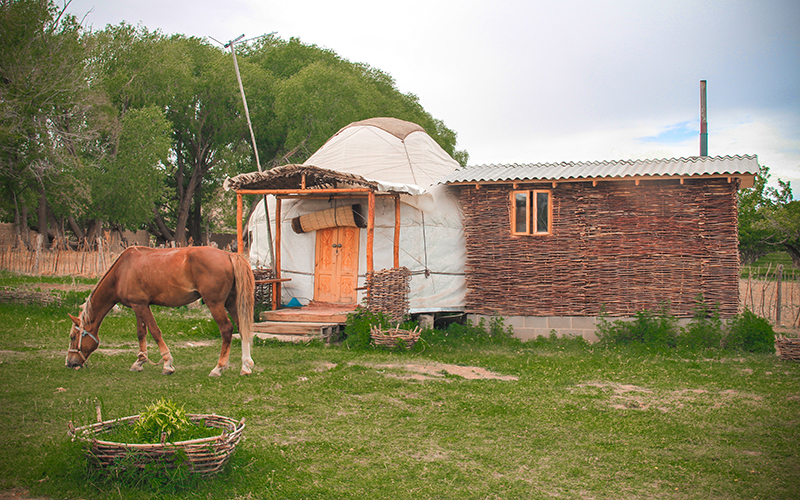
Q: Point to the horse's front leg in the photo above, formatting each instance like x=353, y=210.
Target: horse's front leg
x=141, y=332
x=226, y=331
x=143, y=312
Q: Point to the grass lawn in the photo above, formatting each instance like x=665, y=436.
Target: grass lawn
x=574, y=421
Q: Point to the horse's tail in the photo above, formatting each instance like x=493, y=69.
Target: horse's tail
x=245, y=295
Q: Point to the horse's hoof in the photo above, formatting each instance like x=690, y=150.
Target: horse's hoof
x=245, y=371
x=168, y=371
x=216, y=372
x=137, y=367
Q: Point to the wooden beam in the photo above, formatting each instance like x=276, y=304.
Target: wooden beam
x=370, y=231
x=303, y=181
x=276, y=289
x=239, y=229
x=304, y=191
x=397, y=232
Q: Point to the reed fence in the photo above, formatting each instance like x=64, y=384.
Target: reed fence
x=774, y=295
x=56, y=262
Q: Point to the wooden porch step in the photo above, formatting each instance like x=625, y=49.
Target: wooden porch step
x=315, y=312
x=296, y=331
x=298, y=315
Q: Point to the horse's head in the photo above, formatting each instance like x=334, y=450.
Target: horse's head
x=82, y=343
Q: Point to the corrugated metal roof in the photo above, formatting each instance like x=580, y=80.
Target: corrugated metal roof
x=673, y=167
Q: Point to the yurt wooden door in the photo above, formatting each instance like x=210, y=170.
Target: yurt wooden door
x=336, y=267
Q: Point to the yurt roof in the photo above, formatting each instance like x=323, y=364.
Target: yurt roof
x=387, y=150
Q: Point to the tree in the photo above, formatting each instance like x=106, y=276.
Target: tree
x=768, y=220
x=782, y=222
x=42, y=86
x=753, y=237
x=314, y=93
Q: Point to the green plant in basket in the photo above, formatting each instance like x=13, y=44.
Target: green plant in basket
x=165, y=417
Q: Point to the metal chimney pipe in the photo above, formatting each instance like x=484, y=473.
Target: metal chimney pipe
x=703, y=120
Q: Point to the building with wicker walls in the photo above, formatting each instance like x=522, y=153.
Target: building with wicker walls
x=551, y=246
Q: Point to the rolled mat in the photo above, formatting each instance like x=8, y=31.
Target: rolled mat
x=333, y=217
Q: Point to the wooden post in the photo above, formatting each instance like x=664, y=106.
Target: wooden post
x=39, y=240
x=276, y=288
x=778, y=296
x=370, y=230
x=239, y=215
x=397, y=232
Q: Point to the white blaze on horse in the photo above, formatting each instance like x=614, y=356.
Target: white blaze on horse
x=143, y=276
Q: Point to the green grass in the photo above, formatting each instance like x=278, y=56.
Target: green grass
x=769, y=262
x=8, y=279
x=581, y=421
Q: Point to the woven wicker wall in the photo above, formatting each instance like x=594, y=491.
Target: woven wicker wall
x=617, y=245
x=388, y=291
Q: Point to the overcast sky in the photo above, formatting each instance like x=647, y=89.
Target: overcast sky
x=547, y=81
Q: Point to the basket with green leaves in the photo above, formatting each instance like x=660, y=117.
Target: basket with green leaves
x=163, y=432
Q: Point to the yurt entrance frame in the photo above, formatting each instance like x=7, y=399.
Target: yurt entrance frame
x=322, y=193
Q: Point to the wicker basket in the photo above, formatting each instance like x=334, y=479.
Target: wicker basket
x=204, y=456
x=394, y=336
x=788, y=348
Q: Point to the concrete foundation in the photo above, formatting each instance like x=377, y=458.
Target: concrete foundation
x=530, y=327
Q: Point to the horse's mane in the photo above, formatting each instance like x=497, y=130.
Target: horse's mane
x=87, y=314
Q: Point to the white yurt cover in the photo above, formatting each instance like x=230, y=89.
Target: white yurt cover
x=402, y=158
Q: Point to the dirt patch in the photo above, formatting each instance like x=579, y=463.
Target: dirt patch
x=432, y=371
x=632, y=397
x=18, y=494
x=77, y=287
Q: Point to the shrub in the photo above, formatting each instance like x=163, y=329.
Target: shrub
x=495, y=331
x=357, y=327
x=749, y=332
x=705, y=329
x=657, y=330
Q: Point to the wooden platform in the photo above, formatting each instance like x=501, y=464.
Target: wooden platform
x=302, y=324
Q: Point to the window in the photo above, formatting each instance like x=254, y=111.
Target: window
x=531, y=212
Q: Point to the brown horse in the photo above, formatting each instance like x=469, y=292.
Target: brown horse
x=143, y=276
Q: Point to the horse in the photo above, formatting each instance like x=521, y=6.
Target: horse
x=174, y=277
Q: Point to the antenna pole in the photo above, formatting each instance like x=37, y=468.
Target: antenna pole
x=703, y=120
x=231, y=44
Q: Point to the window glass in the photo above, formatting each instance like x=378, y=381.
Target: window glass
x=521, y=212
x=542, y=212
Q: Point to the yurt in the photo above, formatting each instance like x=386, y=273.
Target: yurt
x=391, y=168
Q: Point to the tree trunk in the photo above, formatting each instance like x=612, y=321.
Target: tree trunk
x=162, y=226
x=794, y=253
x=184, y=204
x=41, y=214
x=24, y=229
x=17, y=233
x=195, y=226
x=55, y=228
x=73, y=224
x=94, y=231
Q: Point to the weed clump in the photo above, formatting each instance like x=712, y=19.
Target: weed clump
x=659, y=330
x=751, y=333
x=357, y=330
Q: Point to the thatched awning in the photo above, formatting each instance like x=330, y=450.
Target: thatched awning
x=291, y=177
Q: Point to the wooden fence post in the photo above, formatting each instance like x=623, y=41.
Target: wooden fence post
x=778, y=296
x=39, y=239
